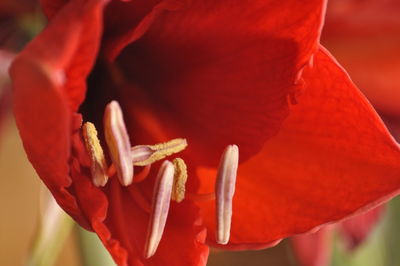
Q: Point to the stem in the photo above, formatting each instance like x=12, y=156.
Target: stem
x=92, y=250
x=53, y=230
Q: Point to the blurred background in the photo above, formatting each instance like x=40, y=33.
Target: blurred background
x=365, y=38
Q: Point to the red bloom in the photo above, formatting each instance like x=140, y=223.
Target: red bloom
x=216, y=73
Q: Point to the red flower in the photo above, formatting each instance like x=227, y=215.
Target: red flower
x=216, y=73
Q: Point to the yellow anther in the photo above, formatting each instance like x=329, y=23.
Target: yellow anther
x=99, y=166
x=147, y=154
x=180, y=177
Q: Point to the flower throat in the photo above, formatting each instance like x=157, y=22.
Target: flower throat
x=171, y=178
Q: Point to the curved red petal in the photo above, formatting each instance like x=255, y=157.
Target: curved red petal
x=257, y=17
x=332, y=157
x=313, y=249
x=69, y=45
x=51, y=7
x=45, y=134
x=94, y=205
x=48, y=82
x=117, y=215
x=127, y=222
x=218, y=75
x=133, y=20
x=356, y=229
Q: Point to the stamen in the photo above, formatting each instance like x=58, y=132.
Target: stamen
x=160, y=207
x=180, y=178
x=118, y=142
x=147, y=154
x=224, y=190
x=98, y=162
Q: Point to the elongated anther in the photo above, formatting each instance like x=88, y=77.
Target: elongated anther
x=98, y=166
x=224, y=190
x=180, y=178
x=147, y=154
x=160, y=207
x=118, y=142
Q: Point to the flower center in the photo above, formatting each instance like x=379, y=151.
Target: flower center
x=170, y=181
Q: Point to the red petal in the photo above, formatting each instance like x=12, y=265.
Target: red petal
x=45, y=134
x=51, y=7
x=117, y=217
x=44, y=93
x=133, y=20
x=208, y=67
x=209, y=17
x=332, y=156
x=67, y=49
x=125, y=21
x=313, y=249
x=94, y=205
x=183, y=239
x=356, y=229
